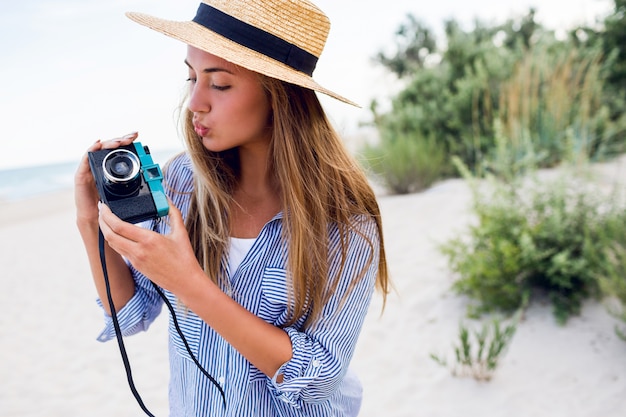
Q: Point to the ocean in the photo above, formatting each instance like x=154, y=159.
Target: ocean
x=22, y=183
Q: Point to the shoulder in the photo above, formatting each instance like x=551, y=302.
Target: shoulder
x=178, y=164
x=178, y=173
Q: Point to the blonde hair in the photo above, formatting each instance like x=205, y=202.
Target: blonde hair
x=320, y=185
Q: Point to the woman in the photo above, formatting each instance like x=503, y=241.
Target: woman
x=273, y=244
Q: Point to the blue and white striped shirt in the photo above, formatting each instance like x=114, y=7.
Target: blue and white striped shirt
x=316, y=380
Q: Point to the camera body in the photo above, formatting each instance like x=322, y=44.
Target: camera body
x=129, y=182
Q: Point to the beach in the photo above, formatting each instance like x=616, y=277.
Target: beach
x=51, y=364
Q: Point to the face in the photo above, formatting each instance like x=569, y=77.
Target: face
x=230, y=107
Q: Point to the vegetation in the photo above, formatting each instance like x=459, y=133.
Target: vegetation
x=406, y=165
x=497, y=104
x=612, y=273
x=549, y=91
x=478, y=352
x=535, y=238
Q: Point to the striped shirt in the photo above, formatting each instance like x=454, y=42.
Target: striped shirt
x=316, y=381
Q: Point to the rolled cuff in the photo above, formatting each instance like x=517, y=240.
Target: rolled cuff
x=133, y=318
x=299, y=372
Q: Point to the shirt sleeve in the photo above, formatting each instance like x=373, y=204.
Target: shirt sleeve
x=321, y=354
x=138, y=313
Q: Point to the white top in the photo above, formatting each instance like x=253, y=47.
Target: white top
x=237, y=251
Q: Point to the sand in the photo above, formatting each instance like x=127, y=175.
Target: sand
x=51, y=364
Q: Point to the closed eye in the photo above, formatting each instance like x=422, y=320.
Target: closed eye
x=220, y=87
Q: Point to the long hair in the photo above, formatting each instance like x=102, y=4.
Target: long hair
x=320, y=185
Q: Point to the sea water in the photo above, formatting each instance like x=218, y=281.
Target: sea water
x=22, y=183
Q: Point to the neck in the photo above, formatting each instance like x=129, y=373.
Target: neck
x=256, y=180
x=256, y=199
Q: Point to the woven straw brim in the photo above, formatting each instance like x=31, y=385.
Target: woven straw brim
x=200, y=37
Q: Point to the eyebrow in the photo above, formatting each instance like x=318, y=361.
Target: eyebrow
x=209, y=70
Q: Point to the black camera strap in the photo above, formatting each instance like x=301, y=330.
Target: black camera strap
x=116, y=325
x=120, y=339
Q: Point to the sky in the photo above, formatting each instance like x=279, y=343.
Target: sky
x=74, y=71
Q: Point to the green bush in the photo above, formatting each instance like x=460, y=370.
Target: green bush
x=555, y=93
x=406, y=164
x=534, y=237
x=612, y=271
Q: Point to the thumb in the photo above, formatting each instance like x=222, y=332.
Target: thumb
x=175, y=218
x=178, y=231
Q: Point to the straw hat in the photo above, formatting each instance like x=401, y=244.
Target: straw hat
x=282, y=39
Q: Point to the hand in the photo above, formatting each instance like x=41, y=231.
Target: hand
x=163, y=259
x=85, y=193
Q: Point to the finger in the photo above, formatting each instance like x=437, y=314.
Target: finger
x=121, y=141
x=106, y=220
x=175, y=217
x=116, y=233
x=95, y=147
x=113, y=227
x=178, y=230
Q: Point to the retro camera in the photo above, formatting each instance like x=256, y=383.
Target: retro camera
x=129, y=182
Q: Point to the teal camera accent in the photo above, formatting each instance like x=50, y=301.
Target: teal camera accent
x=153, y=176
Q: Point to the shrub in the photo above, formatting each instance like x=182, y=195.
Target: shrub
x=406, y=164
x=612, y=271
x=555, y=93
x=532, y=237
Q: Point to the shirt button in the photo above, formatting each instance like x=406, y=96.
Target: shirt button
x=221, y=380
x=316, y=363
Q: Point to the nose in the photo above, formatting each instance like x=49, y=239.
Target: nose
x=198, y=100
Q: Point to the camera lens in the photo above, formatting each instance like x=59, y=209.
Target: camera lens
x=121, y=172
x=121, y=167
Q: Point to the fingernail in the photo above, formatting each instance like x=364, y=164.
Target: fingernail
x=130, y=135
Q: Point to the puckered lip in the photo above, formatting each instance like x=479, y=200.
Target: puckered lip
x=200, y=129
